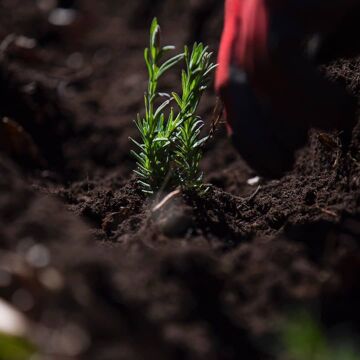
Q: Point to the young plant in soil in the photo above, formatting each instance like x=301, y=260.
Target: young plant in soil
x=171, y=148
x=153, y=159
x=188, y=151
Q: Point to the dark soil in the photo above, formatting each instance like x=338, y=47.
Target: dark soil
x=205, y=277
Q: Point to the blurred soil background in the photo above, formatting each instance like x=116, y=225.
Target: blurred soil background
x=89, y=271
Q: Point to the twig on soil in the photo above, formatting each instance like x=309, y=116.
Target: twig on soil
x=328, y=212
x=166, y=199
x=251, y=197
x=216, y=119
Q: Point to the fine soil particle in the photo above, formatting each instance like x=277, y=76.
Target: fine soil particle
x=205, y=277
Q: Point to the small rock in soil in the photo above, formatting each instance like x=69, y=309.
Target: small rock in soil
x=175, y=219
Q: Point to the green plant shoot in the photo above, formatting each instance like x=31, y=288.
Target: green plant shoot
x=171, y=148
x=153, y=159
x=195, y=79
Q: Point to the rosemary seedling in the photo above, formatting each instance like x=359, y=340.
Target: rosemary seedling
x=194, y=82
x=171, y=148
x=154, y=157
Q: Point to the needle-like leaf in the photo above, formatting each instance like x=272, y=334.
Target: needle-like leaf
x=172, y=139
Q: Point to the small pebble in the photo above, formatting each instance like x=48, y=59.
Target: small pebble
x=62, y=17
x=253, y=181
x=38, y=256
x=52, y=279
x=25, y=42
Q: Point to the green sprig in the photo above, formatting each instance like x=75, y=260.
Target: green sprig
x=153, y=157
x=194, y=82
x=171, y=147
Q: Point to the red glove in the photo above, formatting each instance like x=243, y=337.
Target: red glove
x=271, y=91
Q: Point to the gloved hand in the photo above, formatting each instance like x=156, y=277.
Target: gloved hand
x=271, y=90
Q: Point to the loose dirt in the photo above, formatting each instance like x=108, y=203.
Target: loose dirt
x=204, y=277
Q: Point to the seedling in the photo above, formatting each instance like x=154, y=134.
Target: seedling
x=170, y=149
x=189, y=144
x=153, y=160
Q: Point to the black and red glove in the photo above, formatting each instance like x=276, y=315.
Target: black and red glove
x=269, y=82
